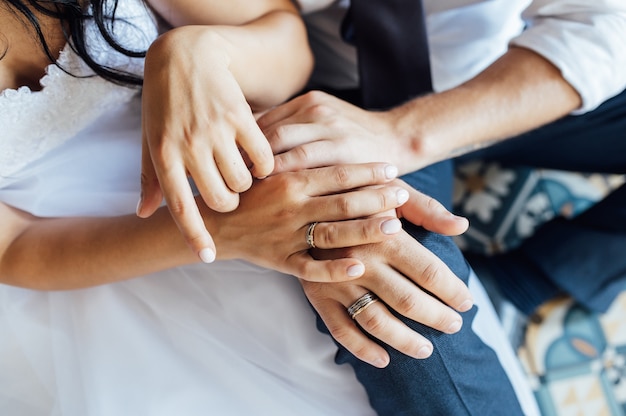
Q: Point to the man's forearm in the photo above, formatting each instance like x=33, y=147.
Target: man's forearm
x=519, y=92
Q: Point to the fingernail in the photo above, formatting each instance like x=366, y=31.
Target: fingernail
x=391, y=226
x=403, y=196
x=455, y=327
x=380, y=363
x=425, y=351
x=207, y=255
x=356, y=270
x=391, y=172
x=138, y=206
x=457, y=217
x=465, y=306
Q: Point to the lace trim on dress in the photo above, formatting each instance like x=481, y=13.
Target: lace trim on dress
x=67, y=104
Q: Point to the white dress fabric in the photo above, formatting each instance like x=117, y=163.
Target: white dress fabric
x=228, y=338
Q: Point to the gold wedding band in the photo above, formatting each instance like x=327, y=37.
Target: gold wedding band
x=361, y=304
x=309, y=235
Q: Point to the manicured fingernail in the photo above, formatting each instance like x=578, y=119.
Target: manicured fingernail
x=455, y=327
x=425, y=351
x=207, y=255
x=465, y=306
x=403, y=196
x=391, y=226
x=356, y=270
x=391, y=172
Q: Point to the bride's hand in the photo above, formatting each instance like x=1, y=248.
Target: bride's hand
x=270, y=226
x=196, y=123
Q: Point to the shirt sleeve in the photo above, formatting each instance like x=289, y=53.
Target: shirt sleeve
x=308, y=6
x=585, y=39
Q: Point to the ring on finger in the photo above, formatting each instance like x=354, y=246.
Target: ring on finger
x=310, y=240
x=361, y=304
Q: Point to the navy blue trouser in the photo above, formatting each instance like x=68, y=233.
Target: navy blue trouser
x=463, y=375
x=584, y=256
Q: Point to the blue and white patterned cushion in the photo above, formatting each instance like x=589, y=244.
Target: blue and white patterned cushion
x=505, y=205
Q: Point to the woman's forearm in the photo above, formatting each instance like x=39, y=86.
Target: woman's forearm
x=269, y=48
x=269, y=229
x=70, y=253
x=261, y=42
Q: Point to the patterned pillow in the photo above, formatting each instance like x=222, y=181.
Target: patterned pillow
x=506, y=204
x=575, y=360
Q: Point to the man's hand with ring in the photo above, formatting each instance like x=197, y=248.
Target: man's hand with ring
x=407, y=278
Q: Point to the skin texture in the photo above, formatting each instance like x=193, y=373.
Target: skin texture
x=517, y=93
x=81, y=252
x=198, y=117
x=352, y=203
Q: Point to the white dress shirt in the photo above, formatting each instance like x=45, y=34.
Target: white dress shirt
x=586, y=40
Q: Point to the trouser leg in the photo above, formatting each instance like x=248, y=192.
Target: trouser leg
x=583, y=256
x=463, y=375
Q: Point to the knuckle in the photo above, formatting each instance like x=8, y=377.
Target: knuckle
x=302, y=153
x=319, y=110
x=148, y=181
x=333, y=121
x=342, y=176
x=234, y=115
x=279, y=134
x=374, y=323
x=442, y=321
x=177, y=207
x=409, y=344
x=386, y=198
x=460, y=295
x=195, y=239
x=193, y=143
x=340, y=332
x=313, y=97
x=162, y=154
x=241, y=181
x=308, y=271
x=430, y=275
x=291, y=185
x=408, y=305
x=345, y=206
x=361, y=351
x=328, y=235
x=432, y=204
x=221, y=201
x=280, y=163
x=367, y=232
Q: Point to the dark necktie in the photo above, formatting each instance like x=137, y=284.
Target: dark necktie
x=390, y=37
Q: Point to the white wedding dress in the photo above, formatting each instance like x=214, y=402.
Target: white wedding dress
x=228, y=338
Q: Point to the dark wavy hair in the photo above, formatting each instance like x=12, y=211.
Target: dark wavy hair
x=73, y=16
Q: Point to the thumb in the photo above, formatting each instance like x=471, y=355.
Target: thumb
x=427, y=212
x=151, y=194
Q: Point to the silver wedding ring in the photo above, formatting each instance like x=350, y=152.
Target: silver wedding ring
x=309, y=235
x=361, y=304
